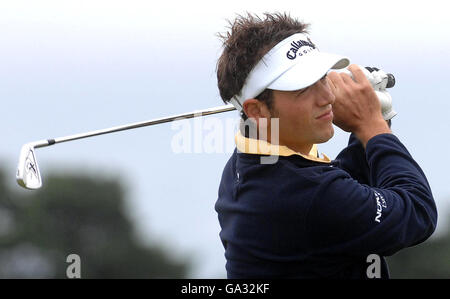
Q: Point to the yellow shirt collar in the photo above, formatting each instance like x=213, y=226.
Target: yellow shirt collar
x=262, y=147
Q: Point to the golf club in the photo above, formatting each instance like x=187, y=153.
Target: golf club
x=28, y=174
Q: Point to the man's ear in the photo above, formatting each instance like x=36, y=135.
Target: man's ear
x=256, y=109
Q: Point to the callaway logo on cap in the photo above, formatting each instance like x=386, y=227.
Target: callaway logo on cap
x=293, y=64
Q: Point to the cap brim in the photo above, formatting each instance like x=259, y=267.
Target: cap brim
x=308, y=71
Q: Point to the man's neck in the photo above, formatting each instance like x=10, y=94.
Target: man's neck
x=303, y=149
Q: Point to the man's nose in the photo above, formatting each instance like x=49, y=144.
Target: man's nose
x=324, y=94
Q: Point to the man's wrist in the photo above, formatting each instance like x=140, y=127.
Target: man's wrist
x=365, y=133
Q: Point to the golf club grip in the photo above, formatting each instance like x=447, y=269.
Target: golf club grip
x=390, y=77
x=391, y=81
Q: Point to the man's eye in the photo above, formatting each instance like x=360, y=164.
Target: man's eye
x=300, y=91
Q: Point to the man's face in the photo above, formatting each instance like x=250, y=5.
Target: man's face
x=305, y=116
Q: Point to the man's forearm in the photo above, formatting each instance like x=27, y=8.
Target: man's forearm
x=367, y=132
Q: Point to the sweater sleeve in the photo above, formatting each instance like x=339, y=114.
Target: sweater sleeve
x=396, y=211
x=352, y=159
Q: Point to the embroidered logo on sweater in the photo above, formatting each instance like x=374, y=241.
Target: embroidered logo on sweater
x=381, y=203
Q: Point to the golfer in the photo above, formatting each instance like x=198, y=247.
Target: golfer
x=304, y=215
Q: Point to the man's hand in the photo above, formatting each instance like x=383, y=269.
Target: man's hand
x=356, y=108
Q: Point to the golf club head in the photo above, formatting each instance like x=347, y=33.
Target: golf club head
x=28, y=175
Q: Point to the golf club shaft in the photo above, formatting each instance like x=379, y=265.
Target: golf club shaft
x=198, y=113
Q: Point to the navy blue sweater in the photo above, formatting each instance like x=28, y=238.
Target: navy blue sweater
x=299, y=218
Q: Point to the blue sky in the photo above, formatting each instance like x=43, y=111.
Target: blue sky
x=75, y=66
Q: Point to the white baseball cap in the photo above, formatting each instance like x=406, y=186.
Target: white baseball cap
x=293, y=64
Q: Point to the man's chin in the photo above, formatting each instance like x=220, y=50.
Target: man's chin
x=325, y=137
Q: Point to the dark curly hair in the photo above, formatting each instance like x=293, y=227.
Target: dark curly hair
x=249, y=39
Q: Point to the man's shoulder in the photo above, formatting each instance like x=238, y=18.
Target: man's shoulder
x=286, y=169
